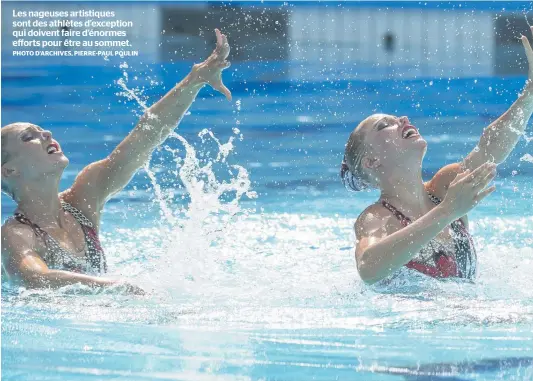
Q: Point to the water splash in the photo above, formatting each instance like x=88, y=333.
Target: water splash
x=189, y=258
x=196, y=227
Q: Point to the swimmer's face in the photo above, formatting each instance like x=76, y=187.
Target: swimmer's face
x=30, y=152
x=392, y=140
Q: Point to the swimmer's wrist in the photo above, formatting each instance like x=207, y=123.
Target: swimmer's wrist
x=194, y=81
x=444, y=214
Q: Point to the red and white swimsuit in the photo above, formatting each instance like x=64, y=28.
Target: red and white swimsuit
x=444, y=264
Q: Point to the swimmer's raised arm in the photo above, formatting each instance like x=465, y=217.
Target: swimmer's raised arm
x=500, y=137
x=20, y=261
x=110, y=175
x=379, y=254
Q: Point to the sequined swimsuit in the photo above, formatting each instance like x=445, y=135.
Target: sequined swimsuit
x=58, y=258
x=444, y=264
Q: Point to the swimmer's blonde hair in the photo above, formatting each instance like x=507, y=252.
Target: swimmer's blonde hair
x=353, y=174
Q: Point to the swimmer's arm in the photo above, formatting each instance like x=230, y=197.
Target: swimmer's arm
x=500, y=137
x=21, y=261
x=380, y=254
x=100, y=180
x=116, y=171
x=97, y=182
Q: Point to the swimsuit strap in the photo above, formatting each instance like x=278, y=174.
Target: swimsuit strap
x=434, y=198
x=26, y=221
x=78, y=214
x=404, y=220
x=402, y=217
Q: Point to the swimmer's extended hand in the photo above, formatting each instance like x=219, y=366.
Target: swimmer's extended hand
x=210, y=71
x=468, y=189
x=501, y=136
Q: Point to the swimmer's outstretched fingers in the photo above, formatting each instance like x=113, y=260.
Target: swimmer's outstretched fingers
x=469, y=188
x=210, y=71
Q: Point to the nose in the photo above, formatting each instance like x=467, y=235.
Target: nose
x=47, y=135
x=404, y=120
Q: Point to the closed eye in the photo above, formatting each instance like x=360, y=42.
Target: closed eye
x=383, y=125
x=28, y=134
x=27, y=138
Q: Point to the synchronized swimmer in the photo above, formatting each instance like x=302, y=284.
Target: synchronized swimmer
x=52, y=239
x=423, y=225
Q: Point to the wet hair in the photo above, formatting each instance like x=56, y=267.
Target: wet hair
x=354, y=182
x=352, y=173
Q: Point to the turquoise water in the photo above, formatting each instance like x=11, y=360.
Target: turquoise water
x=263, y=285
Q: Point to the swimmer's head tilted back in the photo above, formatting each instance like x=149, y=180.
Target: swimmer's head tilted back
x=29, y=155
x=380, y=145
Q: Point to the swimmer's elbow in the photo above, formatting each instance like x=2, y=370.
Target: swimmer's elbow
x=368, y=272
x=368, y=276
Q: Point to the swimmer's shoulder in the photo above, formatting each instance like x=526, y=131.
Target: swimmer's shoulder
x=20, y=251
x=14, y=232
x=373, y=218
x=439, y=184
x=17, y=239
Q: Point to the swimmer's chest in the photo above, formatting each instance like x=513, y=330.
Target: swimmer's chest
x=70, y=238
x=443, y=240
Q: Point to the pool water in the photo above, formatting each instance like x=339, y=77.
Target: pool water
x=252, y=271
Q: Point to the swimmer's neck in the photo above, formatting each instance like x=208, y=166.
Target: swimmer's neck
x=407, y=192
x=40, y=202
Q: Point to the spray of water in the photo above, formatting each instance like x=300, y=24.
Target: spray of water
x=191, y=257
